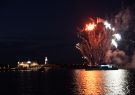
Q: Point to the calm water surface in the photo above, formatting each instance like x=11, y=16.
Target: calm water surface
x=68, y=82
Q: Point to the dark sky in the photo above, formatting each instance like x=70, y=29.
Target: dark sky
x=34, y=29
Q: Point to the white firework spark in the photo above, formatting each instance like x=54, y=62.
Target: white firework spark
x=107, y=25
x=114, y=43
x=117, y=36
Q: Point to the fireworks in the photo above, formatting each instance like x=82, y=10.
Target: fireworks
x=114, y=43
x=90, y=27
x=107, y=25
x=117, y=37
x=96, y=39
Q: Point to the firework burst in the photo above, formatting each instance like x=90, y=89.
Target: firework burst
x=97, y=37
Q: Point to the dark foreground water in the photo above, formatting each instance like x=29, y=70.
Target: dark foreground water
x=68, y=82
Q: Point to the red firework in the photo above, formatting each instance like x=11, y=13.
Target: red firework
x=95, y=41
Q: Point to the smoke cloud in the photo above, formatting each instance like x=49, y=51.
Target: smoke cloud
x=124, y=22
x=116, y=57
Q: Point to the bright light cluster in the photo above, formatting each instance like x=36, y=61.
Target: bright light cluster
x=108, y=26
x=114, y=43
x=116, y=37
x=90, y=27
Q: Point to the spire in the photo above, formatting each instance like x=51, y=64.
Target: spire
x=46, y=60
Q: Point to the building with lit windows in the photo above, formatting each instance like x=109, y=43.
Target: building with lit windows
x=27, y=65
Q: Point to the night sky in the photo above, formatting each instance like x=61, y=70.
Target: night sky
x=33, y=29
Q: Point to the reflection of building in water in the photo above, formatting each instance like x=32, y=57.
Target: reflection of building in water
x=27, y=64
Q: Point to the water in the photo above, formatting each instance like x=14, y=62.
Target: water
x=68, y=82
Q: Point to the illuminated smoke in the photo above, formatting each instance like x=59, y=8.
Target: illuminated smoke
x=124, y=23
x=117, y=57
x=123, y=28
x=132, y=64
x=122, y=20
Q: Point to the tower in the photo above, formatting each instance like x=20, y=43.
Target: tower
x=46, y=60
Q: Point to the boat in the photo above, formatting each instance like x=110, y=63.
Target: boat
x=102, y=67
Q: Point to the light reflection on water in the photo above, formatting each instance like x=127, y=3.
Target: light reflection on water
x=113, y=82
x=68, y=82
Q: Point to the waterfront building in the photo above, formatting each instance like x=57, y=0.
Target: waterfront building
x=27, y=65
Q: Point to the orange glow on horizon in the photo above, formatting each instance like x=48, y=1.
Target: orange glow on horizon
x=90, y=27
